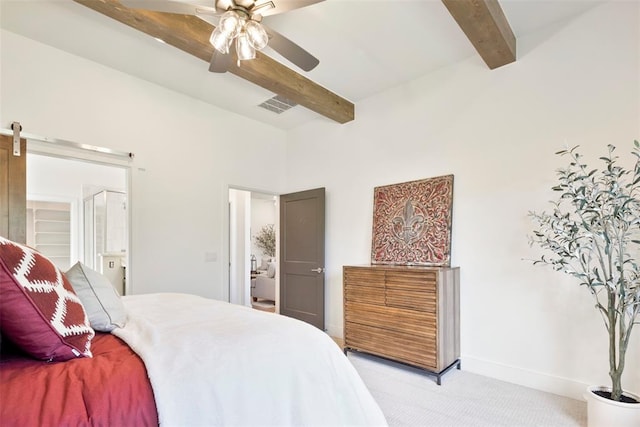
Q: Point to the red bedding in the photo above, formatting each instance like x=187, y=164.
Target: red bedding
x=110, y=389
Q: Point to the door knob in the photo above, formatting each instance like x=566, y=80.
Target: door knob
x=318, y=270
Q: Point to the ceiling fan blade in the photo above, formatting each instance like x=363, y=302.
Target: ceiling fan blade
x=290, y=50
x=169, y=7
x=220, y=62
x=282, y=6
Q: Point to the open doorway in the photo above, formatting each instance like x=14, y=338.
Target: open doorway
x=253, y=223
x=62, y=225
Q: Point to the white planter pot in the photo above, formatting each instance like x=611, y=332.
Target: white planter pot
x=602, y=412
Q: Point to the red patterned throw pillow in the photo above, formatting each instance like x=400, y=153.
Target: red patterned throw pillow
x=39, y=311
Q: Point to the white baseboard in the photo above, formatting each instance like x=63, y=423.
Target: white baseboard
x=537, y=380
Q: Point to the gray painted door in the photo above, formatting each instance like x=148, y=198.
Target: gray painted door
x=302, y=256
x=13, y=190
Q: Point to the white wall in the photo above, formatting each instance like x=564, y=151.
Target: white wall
x=44, y=177
x=497, y=132
x=187, y=153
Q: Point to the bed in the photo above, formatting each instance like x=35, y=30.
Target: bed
x=167, y=359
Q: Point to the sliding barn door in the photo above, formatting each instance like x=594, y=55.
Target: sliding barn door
x=13, y=190
x=302, y=256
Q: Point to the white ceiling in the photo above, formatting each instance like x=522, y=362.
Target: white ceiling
x=364, y=46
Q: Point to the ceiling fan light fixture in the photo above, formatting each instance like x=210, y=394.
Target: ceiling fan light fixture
x=231, y=24
x=257, y=35
x=220, y=41
x=244, y=48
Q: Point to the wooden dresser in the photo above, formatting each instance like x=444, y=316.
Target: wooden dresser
x=408, y=314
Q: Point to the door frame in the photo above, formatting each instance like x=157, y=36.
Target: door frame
x=81, y=155
x=226, y=243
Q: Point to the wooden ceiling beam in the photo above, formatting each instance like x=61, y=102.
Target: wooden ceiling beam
x=191, y=35
x=487, y=28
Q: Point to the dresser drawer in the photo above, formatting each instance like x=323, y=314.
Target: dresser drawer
x=367, y=277
x=403, y=347
x=364, y=285
x=400, y=320
x=411, y=300
x=411, y=290
x=364, y=294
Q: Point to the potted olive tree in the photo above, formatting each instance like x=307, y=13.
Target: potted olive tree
x=592, y=233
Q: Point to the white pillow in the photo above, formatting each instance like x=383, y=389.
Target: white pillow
x=99, y=298
x=271, y=270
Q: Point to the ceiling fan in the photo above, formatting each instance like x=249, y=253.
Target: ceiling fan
x=240, y=31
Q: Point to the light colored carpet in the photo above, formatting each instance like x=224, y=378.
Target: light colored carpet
x=408, y=397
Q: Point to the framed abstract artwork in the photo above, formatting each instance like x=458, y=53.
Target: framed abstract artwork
x=412, y=222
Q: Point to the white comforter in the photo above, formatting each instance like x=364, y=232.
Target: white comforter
x=214, y=363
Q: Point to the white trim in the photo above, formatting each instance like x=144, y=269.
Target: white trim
x=226, y=240
x=128, y=284
x=226, y=245
x=245, y=298
x=525, y=377
x=31, y=138
x=67, y=152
